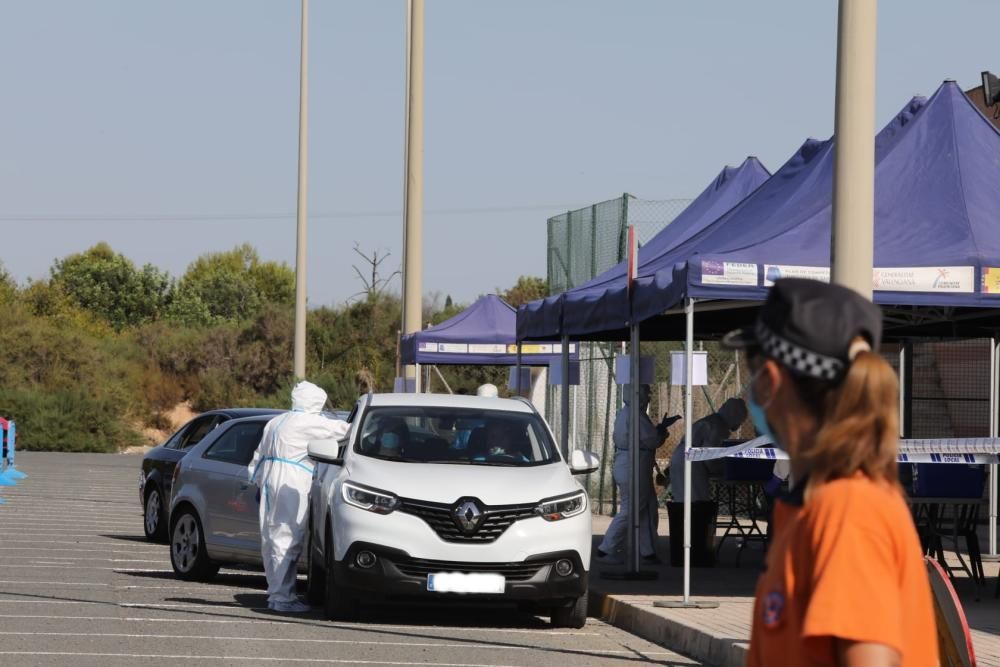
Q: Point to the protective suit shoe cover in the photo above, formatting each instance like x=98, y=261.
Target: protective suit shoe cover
x=295, y=607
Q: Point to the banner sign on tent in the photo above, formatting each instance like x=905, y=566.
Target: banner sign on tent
x=540, y=348
x=991, y=280
x=774, y=272
x=489, y=348
x=925, y=279
x=728, y=273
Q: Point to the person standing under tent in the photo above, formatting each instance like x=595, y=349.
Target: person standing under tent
x=845, y=582
x=650, y=438
x=710, y=431
x=283, y=474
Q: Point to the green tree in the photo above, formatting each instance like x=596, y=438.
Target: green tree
x=111, y=287
x=527, y=288
x=232, y=285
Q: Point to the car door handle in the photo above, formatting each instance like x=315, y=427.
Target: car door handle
x=244, y=486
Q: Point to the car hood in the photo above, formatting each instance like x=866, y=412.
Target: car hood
x=446, y=483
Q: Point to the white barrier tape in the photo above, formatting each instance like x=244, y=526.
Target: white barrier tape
x=955, y=451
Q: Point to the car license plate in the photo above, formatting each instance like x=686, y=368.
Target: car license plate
x=458, y=582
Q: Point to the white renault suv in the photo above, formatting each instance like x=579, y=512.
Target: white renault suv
x=445, y=497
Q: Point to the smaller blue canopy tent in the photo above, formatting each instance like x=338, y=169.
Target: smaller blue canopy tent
x=604, y=297
x=481, y=335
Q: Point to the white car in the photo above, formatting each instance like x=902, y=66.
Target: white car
x=441, y=497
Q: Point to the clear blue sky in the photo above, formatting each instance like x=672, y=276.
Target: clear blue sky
x=169, y=129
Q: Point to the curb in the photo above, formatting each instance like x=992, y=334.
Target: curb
x=669, y=633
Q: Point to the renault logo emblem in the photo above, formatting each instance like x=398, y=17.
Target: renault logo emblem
x=468, y=515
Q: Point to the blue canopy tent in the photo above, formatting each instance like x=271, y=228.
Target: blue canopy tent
x=937, y=245
x=481, y=335
x=573, y=310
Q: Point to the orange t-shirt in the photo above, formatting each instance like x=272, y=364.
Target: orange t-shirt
x=847, y=564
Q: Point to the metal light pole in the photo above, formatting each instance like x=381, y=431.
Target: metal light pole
x=300, y=235
x=414, y=184
x=852, y=239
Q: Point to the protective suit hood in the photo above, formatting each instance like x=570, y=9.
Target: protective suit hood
x=645, y=392
x=308, y=398
x=733, y=412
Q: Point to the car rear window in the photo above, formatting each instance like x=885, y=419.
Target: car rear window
x=455, y=435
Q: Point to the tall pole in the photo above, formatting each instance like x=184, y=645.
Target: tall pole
x=414, y=185
x=688, y=435
x=854, y=155
x=300, y=233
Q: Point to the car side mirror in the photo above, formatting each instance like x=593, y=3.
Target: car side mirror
x=584, y=463
x=325, y=451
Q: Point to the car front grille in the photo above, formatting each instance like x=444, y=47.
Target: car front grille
x=416, y=567
x=495, y=521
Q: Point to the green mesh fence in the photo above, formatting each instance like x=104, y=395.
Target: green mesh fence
x=582, y=244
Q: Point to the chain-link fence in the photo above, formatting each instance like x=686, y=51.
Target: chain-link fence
x=585, y=243
x=582, y=244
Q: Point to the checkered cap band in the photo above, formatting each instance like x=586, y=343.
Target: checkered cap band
x=796, y=358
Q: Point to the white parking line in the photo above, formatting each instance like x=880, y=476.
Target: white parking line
x=328, y=661
x=112, y=542
x=485, y=646
x=86, y=551
x=50, y=583
x=311, y=622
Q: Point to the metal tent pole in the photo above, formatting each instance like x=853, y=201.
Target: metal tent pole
x=564, y=398
x=517, y=370
x=994, y=429
x=686, y=602
x=688, y=432
x=633, y=452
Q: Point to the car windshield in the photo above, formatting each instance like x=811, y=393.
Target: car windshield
x=455, y=436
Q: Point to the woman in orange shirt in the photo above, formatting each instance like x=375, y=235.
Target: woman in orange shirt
x=845, y=581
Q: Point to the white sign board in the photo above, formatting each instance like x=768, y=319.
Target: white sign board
x=556, y=372
x=678, y=368
x=647, y=369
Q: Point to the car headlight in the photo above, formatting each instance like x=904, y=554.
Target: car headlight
x=564, y=507
x=372, y=500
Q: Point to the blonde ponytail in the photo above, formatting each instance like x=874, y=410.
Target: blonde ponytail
x=859, y=425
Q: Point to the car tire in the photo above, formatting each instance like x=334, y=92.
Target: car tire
x=338, y=604
x=188, y=555
x=316, y=581
x=154, y=516
x=573, y=615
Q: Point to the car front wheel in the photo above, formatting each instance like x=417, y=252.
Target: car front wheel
x=188, y=555
x=154, y=522
x=573, y=615
x=316, y=583
x=338, y=605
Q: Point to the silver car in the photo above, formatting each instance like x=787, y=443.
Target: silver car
x=214, y=511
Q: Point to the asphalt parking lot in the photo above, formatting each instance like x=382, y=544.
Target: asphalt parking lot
x=79, y=585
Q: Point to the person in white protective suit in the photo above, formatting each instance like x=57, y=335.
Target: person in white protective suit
x=710, y=431
x=487, y=390
x=650, y=438
x=283, y=473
